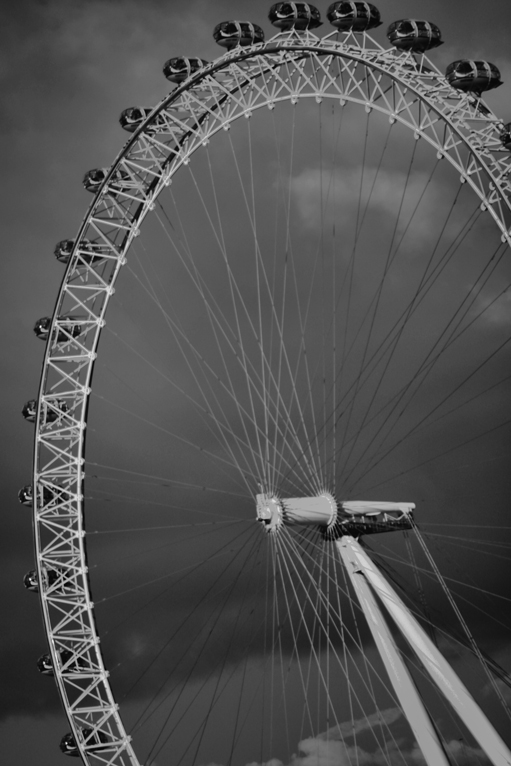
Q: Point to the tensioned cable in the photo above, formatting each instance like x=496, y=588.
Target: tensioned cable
x=339, y=632
x=427, y=366
x=202, y=726
x=112, y=497
x=254, y=545
x=279, y=325
x=214, y=322
x=462, y=621
x=391, y=253
x=223, y=424
x=188, y=568
x=410, y=307
x=154, y=750
x=246, y=361
x=378, y=355
x=163, y=481
x=442, y=454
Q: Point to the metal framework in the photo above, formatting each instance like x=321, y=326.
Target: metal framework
x=289, y=67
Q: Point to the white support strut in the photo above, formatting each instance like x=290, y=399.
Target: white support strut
x=362, y=570
x=406, y=691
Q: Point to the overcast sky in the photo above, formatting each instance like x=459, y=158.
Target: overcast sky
x=68, y=68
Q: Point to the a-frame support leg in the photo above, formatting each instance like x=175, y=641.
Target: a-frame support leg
x=367, y=582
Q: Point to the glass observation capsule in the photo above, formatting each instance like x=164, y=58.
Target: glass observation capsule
x=230, y=34
x=45, y=663
x=180, y=68
x=299, y=16
x=90, y=252
x=68, y=745
x=49, y=414
x=96, y=742
x=26, y=495
x=413, y=35
x=64, y=332
x=133, y=117
x=353, y=16
x=29, y=410
x=31, y=582
x=93, y=179
x=505, y=136
x=475, y=76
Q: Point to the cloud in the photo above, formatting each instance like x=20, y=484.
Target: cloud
x=503, y=688
x=496, y=314
x=330, y=749
x=382, y=190
x=350, y=728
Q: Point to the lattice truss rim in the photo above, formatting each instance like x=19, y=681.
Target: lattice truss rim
x=458, y=125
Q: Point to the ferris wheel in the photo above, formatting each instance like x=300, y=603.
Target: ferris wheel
x=304, y=249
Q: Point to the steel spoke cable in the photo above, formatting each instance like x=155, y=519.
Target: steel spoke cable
x=356, y=640
x=230, y=393
x=449, y=579
x=288, y=560
x=391, y=254
x=199, y=408
x=179, y=438
x=111, y=497
x=412, y=430
x=177, y=333
x=145, y=551
x=301, y=622
x=412, y=605
x=409, y=309
x=166, y=526
x=302, y=355
x=233, y=289
x=451, y=393
x=222, y=425
x=377, y=356
x=219, y=674
x=279, y=325
x=368, y=666
x=464, y=543
x=228, y=590
x=428, y=364
x=268, y=478
x=351, y=272
x=277, y=387
x=238, y=326
x=462, y=621
x=187, y=569
x=278, y=577
x=339, y=631
x=163, y=481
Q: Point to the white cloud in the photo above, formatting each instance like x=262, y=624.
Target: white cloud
x=350, y=728
x=504, y=689
x=330, y=748
x=498, y=313
x=382, y=191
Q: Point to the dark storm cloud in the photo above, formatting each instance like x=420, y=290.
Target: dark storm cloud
x=67, y=71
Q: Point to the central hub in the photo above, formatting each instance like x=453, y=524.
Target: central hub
x=350, y=517
x=319, y=511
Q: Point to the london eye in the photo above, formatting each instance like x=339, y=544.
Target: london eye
x=296, y=414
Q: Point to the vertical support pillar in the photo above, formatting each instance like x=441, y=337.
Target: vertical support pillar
x=406, y=691
x=358, y=564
